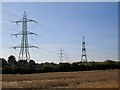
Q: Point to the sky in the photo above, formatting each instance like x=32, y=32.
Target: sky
x=60, y=1
x=62, y=26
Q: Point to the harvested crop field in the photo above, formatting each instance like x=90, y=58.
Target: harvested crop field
x=81, y=79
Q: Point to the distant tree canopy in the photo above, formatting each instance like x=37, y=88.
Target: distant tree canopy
x=3, y=62
x=11, y=59
x=32, y=62
x=25, y=67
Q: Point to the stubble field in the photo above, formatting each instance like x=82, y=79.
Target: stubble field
x=81, y=79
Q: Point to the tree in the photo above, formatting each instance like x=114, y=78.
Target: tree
x=20, y=62
x=75, y=66
x=3, y=62
x=64, y=67
x=32, y=62
x=11, y=59
x=110, y=61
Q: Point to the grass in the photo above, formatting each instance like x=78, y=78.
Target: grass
x=81, y=79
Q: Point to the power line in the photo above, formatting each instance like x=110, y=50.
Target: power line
x=11, y=14
x=4, y=19
x=42, y=48
x=8, y=29
x=48, y=50
x=60, y=35
x=44, y=27
x=5, y=33
x=10, y=46
x=36, y=52
x=47, y=39
x=36, y=43
x=41, y=37
x=5, y=46
x=67, y=58
x=48, y=29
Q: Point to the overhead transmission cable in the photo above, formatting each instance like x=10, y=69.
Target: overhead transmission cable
x=8, y=13
x=43, y=49
x=60, y=35
x=48, y=29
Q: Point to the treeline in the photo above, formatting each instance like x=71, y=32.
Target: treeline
x=11, y=66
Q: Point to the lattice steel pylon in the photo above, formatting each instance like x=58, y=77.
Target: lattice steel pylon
x=61, y=55
x=84, y=56
x=24, y=46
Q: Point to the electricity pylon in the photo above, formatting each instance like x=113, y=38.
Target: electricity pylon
x=61, y=55
x=24, y=46
x=84, y=56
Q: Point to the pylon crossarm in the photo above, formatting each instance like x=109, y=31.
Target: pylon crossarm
x=31, y=46
x=16, y=47
x=30, y=20
x=26, y=47
x=29, y=33
x=19, y=21
x=20, y=33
